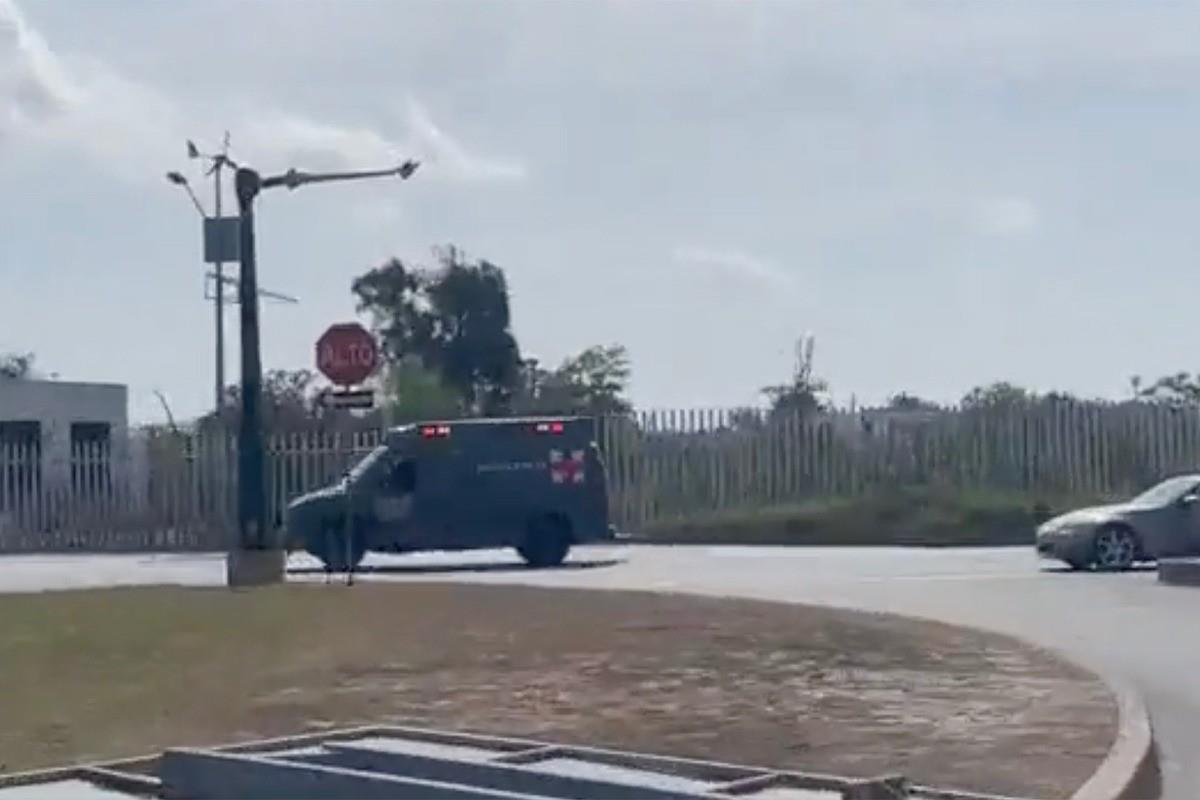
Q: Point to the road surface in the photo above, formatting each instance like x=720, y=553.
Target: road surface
x=1124, y=625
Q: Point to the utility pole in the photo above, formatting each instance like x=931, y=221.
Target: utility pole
x=218, y=163
x=219, y=294
x=256, y=559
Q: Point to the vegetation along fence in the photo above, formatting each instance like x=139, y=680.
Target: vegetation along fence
x=178, y=491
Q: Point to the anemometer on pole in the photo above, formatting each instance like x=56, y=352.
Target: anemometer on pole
x=221, y=246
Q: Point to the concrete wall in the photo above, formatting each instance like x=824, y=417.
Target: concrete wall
x=55, y=405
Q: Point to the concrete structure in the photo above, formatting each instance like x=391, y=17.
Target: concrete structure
x=60, y=435
x=1179, y=571
x=393, y=762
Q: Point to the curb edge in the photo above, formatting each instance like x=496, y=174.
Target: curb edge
x=1130, y=770
x=1179, y=571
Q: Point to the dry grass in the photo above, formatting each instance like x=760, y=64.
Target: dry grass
x=100, y=674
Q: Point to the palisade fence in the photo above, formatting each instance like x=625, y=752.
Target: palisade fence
x=179, y=491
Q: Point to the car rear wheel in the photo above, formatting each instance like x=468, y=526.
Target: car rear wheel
x=547, y=542
x=1115, y=548
x=330, y=546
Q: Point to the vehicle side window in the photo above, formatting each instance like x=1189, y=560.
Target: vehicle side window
x=403, y=477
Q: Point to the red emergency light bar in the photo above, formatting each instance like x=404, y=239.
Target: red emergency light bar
x=435, y=431
x=549, y=427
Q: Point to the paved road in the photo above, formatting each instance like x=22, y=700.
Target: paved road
x=1125, y=625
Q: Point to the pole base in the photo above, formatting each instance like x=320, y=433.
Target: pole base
x=254, y=567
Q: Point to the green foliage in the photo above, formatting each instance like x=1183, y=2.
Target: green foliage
x=413, y=393
x=455, y=318
x=806, y=394
x=903, y=401
x=289, y=402
x=996, y=395
x=593, y=382
x=17, y=366
x=901, y=515
x=1178, y=389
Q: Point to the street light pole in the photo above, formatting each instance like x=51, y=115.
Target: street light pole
x=252, y=517
x=256, y=559
x=219, y=298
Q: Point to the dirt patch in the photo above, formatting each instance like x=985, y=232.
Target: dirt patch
x=100, y=674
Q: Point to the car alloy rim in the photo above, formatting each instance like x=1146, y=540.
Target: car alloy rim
x=1114, y=549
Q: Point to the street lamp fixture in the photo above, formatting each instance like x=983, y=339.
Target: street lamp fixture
x=178, y=179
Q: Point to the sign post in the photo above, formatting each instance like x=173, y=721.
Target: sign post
x=347, y=354
x=352, y=398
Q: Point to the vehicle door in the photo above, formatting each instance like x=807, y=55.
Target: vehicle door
x=596, y=502
x=1189, y=539
x=393, y=500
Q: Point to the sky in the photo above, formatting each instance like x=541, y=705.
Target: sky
x=942, y=194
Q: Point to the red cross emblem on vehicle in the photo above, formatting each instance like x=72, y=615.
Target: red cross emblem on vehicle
x=566, y=467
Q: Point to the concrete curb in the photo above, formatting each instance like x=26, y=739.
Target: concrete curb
x=1179, y=571
x=1130, y=770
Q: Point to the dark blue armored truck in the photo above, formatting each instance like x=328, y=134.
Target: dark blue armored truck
x=538, y=485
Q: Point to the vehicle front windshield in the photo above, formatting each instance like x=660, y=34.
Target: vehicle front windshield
x=368, y=461
x=1166, y=492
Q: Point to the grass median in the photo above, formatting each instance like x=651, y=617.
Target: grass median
x=93, y=675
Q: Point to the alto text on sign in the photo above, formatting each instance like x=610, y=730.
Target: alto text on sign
x=347, y=354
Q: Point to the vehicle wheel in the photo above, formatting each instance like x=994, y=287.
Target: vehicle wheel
x=547, y=541
x=329, y=545
x=1115, y=548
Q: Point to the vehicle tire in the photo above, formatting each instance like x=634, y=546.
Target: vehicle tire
x=547, y=541
x=329, y=546
x=1115, y=548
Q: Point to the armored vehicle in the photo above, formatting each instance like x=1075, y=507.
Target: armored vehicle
x=538, y=485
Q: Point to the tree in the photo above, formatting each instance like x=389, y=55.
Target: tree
x=413, y=393
x=17, y=366
x=1178, y=389
x=454, y=318
x=592, y=382
x=289, y=402
x=996, y=395
x=805, y=395
x=903, y=401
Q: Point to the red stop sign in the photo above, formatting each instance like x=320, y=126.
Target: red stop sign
x=347, y=354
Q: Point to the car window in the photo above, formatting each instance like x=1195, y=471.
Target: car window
x=1166, y=492
x=403, y=476
x=367, y=463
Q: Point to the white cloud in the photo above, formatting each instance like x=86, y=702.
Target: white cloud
x=292, y=140
x=1005, y=216
x=433, y=143
x=304, y=142
x=33, y=86
x=47, y=100
x=733, y=262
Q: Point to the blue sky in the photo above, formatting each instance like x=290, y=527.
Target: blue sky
x=943, y=194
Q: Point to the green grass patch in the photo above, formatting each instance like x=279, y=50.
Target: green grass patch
x=914, y=516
